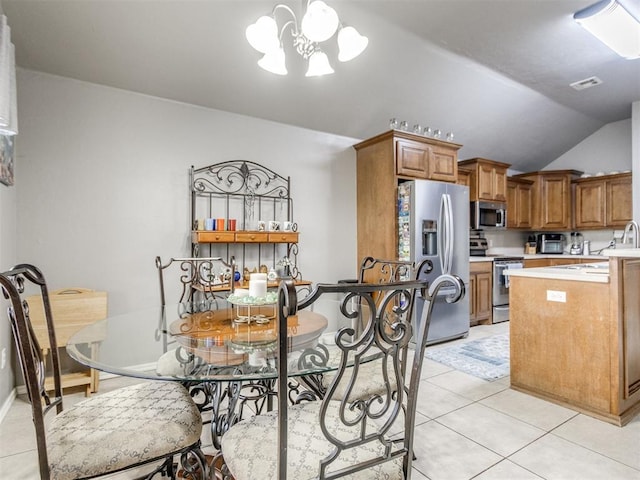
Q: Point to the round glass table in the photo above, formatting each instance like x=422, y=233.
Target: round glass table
x=227, y=364
x=191, y=342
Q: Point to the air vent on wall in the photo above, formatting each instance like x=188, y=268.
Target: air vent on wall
x=586, y=83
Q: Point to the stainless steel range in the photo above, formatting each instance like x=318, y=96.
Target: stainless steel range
x=501, y=286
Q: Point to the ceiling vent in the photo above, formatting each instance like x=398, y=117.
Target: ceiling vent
x=586, y=83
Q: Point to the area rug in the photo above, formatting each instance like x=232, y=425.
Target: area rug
x=486, y=358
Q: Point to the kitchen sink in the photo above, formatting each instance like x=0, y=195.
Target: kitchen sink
x=598, y=267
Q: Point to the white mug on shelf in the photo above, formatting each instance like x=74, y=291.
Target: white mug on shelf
x=274, y=226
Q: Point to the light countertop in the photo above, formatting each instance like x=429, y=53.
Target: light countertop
x=622, y=252
x=597, y=272
x=492, y=257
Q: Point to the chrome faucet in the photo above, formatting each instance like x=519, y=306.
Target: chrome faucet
x=632, y=225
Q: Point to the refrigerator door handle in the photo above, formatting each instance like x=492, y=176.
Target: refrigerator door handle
x=441, y=234
x=447, y=233
x=450, y=234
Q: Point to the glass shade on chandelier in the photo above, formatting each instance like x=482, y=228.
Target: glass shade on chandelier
x=319, y=23
x=614, y=26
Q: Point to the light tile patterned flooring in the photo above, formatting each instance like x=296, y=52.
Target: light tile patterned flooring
x=466, y=428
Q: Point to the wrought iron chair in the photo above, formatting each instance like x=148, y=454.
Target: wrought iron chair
x=330, y=439
x=197, y=284
x=147, y=423
x=203, y=281
x=372, y=270
x=200, y=284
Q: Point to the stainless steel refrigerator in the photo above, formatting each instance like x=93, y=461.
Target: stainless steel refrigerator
x=433, y=223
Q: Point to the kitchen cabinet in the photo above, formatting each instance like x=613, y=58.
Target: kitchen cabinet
x=602, y=202
x=464, y=176
x=255, y=197
x=584, y=351
x=480, y=289
x=551, y=195
x=519, y=203
x=383, y=161
x=488, y=179
x=422, y=157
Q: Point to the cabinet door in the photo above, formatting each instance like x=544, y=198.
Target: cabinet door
x=486, y=182
x=472, y=296
x=463, y=177
x=412, y=159
x=590, y=204
x=619, y=208
x=443, y=164
x=525, y=206
x=500, y=184
x=519, y=205
x=554, y=204
x=483, y=296
x=512, y=205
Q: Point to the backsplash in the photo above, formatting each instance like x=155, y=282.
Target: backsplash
x=511, y=242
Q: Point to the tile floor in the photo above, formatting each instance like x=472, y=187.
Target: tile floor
x=466, y=428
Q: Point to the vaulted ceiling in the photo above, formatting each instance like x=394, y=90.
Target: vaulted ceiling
x=496, y=73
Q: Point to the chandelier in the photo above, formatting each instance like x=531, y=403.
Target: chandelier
x=319, y=23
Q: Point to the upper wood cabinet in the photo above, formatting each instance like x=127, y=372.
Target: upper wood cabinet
x=519, y=203
x=464, y=176
x=603, y=202
x=551, y=195
x=488, y=179
x=425, y=158
x=381, y=162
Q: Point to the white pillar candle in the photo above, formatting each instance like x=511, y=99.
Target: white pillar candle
x=258, y=276
x=257, y=288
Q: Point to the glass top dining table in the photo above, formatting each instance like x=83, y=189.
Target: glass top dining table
x=205, y=342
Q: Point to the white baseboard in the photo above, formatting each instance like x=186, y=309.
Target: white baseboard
x=7, y=404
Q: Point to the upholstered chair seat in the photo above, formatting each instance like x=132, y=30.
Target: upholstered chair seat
x=152, y=424
x=131, y=425
x=250, y=447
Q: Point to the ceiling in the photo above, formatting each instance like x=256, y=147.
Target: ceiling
x=496, y=73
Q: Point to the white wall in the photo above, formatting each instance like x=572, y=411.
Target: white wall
x=607, y=150
x=103, y=185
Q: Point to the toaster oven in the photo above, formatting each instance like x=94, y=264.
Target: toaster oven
x=550, y=243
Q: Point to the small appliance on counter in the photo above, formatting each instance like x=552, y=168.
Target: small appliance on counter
x=530, y=246
x=576, y=243
x=478, y=245
x=550, y=243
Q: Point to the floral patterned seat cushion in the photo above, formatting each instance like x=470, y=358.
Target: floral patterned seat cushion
x=112, y=431
x=250, y=448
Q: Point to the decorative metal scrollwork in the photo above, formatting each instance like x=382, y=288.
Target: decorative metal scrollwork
x=240, y=177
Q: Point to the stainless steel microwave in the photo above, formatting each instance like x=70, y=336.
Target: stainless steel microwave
x=488, y=215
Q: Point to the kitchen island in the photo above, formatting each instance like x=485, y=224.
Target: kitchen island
x=575, y=335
